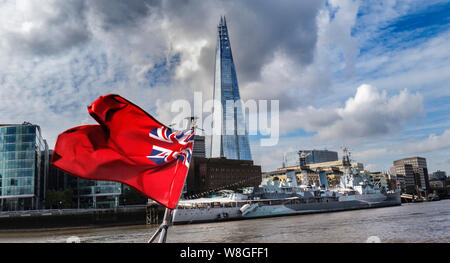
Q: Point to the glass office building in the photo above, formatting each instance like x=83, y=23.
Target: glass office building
x=312, y=156
x=232, y=140
x=86, y=193
x=98, y=194
x=23, y=167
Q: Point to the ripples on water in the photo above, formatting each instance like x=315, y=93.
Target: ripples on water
x=420, y=222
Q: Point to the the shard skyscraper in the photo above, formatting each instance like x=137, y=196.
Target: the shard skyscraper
x=232, y=140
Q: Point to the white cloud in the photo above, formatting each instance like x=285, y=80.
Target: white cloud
x=368, y=114
x=423, y=67
x=289, y=82
x=370, y=154
x=335, y=33
x=432, y=143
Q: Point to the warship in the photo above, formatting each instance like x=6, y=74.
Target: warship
x=275, y=197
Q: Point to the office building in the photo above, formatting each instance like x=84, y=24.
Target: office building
x=312, y=156
x=23, y=167
x=230, y=139
x=59, y=180
x=212, y=174
x=439, y=175
x=406, y=177
x=419, y=165
x=98, y=194
x=305, y=176
x=333, y=170
x=86, y=193
x=440, y=184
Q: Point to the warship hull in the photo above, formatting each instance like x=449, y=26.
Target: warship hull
x=279, y=207
x=292, y=208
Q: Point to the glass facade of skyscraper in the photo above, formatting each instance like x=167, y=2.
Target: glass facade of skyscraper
x=23, y=166
x=232, y=140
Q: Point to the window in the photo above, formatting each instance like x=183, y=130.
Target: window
x=28, y=138
x=11, y=130
x=30, y=129
x=9, y=147
x=10, y=139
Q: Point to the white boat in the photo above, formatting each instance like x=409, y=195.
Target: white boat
x=225, y=205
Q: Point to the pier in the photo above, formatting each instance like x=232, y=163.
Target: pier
x=154, y=213
x=408, y=198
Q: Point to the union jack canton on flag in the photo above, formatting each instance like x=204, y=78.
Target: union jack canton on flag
x=161, y=155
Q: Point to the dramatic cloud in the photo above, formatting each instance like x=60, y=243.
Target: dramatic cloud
x=369, y=113
x=36, y=28
x=294, y=82
x=336, y=25
x=58, y=56
x=288, y=82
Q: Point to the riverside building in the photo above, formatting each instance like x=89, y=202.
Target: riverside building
x=86, y=193
x=23, y=167
x=213, y=174
x=420, y=171
x=312, y=156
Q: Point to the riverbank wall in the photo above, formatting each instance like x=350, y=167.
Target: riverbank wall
x=37, y=219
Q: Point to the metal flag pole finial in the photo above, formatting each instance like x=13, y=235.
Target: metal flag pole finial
x=191, y=122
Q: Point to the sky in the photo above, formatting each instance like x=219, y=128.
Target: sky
x=369, y=75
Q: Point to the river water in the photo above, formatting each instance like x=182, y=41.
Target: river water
x=419, y=222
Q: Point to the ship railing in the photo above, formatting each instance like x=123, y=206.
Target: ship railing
x=240, y=203
x=213, y=204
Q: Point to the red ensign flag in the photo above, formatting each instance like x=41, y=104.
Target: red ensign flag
x=128, y=146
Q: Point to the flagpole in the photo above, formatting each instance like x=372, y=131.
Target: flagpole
x=165, y=226
x=162, y=229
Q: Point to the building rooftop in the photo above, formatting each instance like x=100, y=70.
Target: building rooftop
x=409, y=158
x=11, y=124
